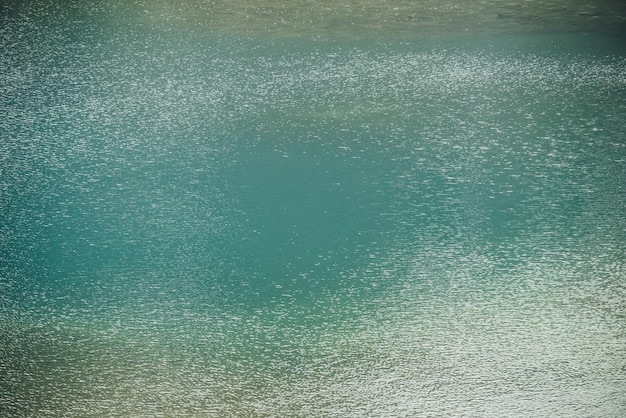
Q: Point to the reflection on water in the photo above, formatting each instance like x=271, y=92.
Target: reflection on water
x=199, y=219
x=390, y=18
x=352, y=18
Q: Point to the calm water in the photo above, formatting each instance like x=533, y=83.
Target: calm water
x=350, y=209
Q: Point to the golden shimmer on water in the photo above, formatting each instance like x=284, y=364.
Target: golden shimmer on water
x=386, y=18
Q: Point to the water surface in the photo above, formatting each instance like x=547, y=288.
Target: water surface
x=313, y=209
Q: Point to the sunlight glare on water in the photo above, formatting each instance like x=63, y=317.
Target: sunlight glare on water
x=268, y=209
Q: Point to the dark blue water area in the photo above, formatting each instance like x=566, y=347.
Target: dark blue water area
x=206, y=223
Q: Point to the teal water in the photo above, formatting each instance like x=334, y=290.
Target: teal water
x=204, y=216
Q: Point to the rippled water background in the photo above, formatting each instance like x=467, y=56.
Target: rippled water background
x=347, y=208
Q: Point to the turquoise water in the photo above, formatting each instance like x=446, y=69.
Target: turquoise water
x=204, y=216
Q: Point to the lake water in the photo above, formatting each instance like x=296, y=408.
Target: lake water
x=314, y=209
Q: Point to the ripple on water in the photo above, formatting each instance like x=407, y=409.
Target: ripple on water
x=206, y=225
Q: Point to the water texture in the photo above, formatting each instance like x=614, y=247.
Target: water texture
x=313, y=209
